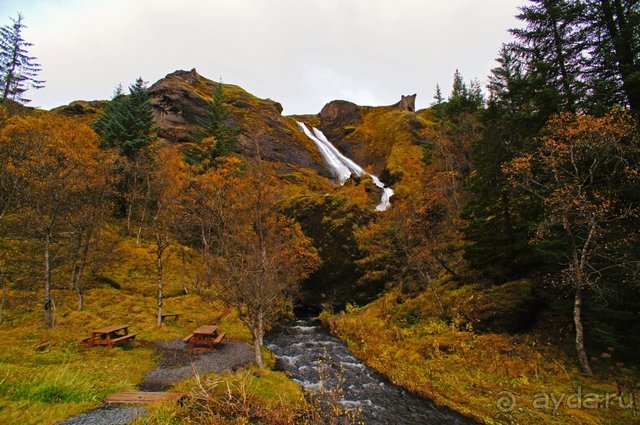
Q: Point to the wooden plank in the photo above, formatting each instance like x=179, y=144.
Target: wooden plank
x=219, y=338
x=110, y=329
x=141, y=397
x=206, y=330
x=123, y=338
x=187, y=338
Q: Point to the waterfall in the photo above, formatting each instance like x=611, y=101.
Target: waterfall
x=343, y=167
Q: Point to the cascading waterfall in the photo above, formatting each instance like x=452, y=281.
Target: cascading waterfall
x=343, y=167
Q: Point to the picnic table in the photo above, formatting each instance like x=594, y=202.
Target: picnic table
x=109, y=336
x=206, y=337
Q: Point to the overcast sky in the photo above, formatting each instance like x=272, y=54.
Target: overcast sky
x=302, y=53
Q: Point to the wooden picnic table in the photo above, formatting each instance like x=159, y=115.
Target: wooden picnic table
x=206, y=337
x=109, y=336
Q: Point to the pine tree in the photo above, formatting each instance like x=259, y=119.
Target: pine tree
x=612, y=30
x=551, y=44
x=215, y=137
x=496, y=218
x=18, y=70
x=127, y=121
x=437, y=97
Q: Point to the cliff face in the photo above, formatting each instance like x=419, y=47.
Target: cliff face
x=180, y=100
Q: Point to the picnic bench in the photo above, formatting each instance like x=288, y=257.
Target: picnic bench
x=206, y=337
x=109, y=336
x=167, y=315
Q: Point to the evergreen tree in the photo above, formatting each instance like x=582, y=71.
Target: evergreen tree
x=551, y=44
x=127, y=121
x=437, y=97
x=215, y=137
x=612, y=30
x=18, y=70
x=496, y=229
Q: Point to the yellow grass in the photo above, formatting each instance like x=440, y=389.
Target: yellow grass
x=472, y=373
x=47, y=375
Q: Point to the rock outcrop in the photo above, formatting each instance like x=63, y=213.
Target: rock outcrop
x=180, y=100
x=407, y=103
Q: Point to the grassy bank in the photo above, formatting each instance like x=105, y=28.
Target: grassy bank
x=493, y=378
x=245, y=396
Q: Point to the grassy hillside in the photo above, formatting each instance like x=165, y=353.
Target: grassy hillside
x=496, y=378
x=47, y=375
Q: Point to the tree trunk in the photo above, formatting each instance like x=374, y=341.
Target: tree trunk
x=260, y=329
x=577, y=318
x=48, y=318
x=257, y=347
x=183, y=277
x=159, y=266
x=4, y=298
x=75, y=269
x=80, y=298
x=129, y=212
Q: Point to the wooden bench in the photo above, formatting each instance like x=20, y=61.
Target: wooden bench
x=119, y=340
x=139, y=397
x=219, y=338
x=174, y=315
x=187, y=338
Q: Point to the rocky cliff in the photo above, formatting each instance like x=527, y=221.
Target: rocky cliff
x=180, y=100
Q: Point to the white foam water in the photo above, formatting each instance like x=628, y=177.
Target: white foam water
x=342, y=167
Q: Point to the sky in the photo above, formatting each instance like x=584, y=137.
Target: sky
x=301, y=53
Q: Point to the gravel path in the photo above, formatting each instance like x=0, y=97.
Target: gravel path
x=107, y=415
x=176, y=364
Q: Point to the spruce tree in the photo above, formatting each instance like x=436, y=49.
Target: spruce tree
x=612, y=31
x=18, y=70
x=496, y=218
x=127, y=121
x=551, y=45
x=215, y=136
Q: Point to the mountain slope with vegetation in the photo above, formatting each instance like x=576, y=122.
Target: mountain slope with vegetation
x=505, y=271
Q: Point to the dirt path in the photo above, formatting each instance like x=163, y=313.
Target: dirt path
x=176, y=364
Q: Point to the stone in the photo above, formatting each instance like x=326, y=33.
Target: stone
x=407, y=103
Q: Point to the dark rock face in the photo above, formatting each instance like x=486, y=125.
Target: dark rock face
x=338, y=117
x=177, y=105
x=180, y=100
x=407, y=103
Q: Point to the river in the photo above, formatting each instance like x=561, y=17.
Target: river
x=315, y=359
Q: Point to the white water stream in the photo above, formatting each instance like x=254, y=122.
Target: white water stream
x=343, y=167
